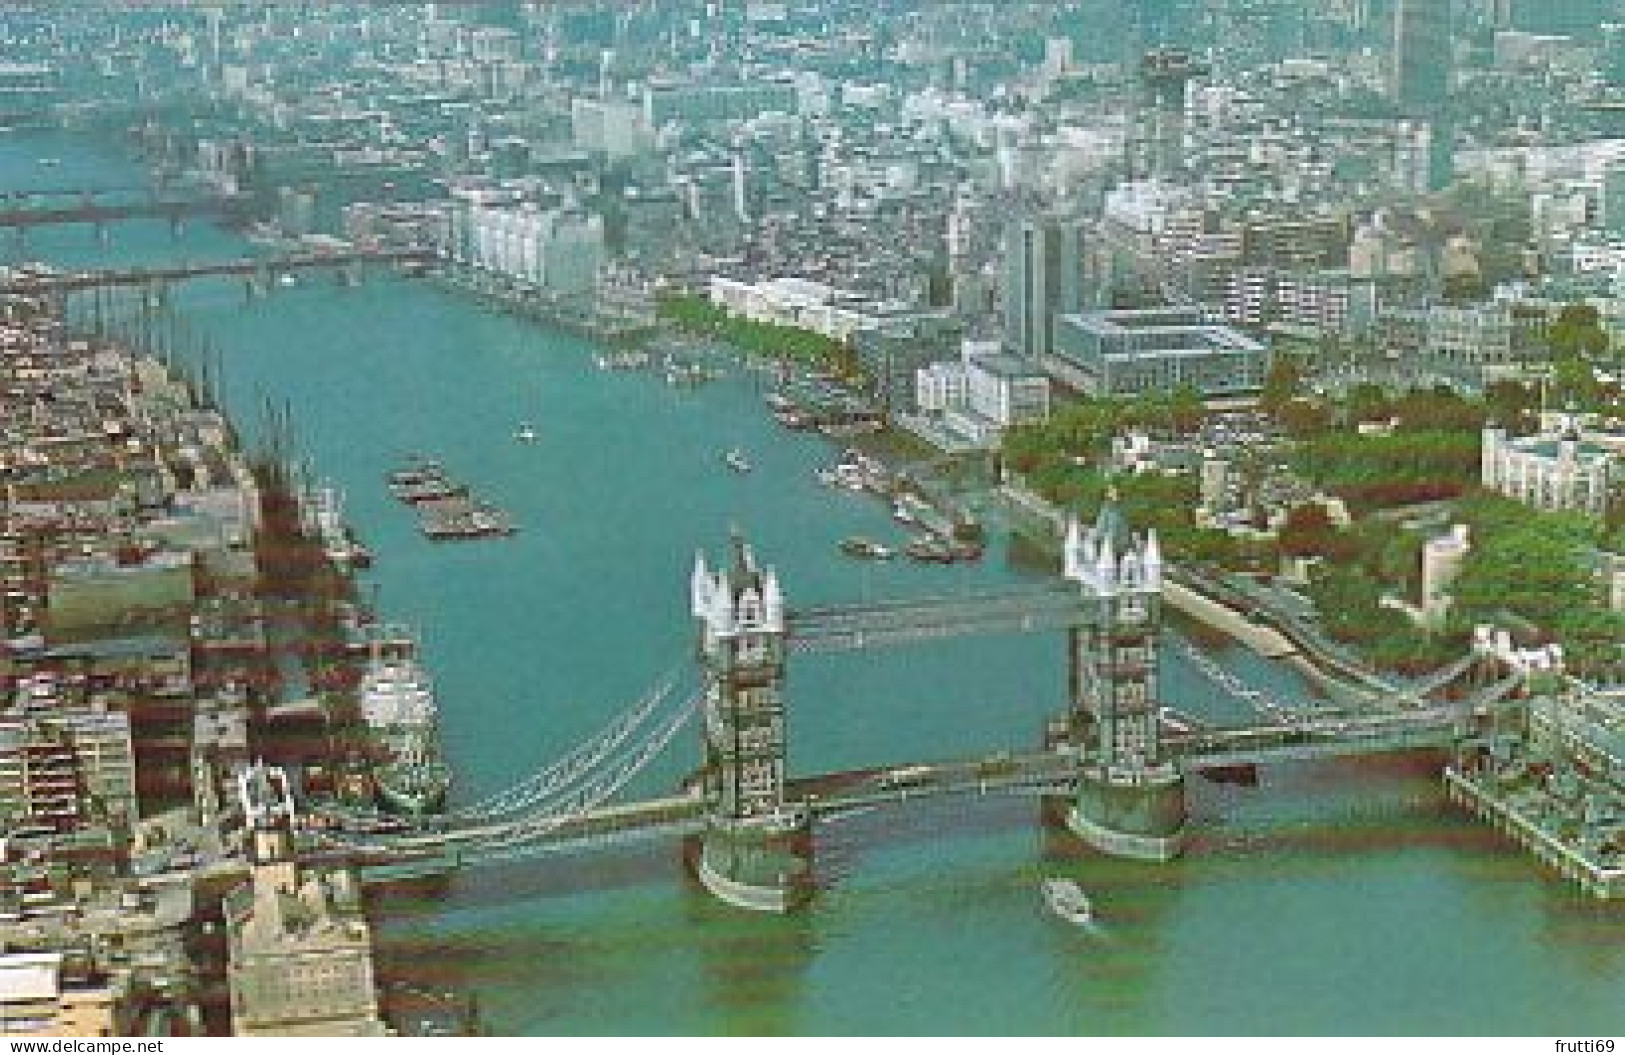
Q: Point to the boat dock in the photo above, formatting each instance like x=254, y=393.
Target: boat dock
x=446, y=508
x=1521, y=820
x=461, y=517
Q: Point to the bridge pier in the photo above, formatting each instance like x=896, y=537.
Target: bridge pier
x=759, y=867
x=1137, y=814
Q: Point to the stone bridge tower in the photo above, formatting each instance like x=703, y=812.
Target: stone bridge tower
x=756, y=853
x=1131, y=799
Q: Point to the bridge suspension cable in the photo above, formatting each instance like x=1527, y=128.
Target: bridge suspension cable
x=571, y=805
x=580, y=760
x=604, y=785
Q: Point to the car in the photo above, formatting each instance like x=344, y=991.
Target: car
x=906, y=777
x=995, y=764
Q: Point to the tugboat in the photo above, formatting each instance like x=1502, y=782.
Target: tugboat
x=737, y=461
x=1067, y=900
x=398, y=705
x=525, y=433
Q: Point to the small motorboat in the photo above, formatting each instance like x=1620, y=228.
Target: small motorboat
x=525, y=433
x=929, y=550
x=287, y=280
x=866, y=549
x=1067, y=900
x=737, y=461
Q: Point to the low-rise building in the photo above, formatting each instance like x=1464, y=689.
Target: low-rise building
x=835, y=313
x=63, y=771
x=975, y=399
x=42, y=996
x=1124, y=352
x=1560, y=468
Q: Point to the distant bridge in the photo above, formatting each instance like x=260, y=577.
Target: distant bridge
x=62, y=282
x=26, y=209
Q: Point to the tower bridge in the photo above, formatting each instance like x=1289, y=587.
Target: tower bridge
x=1115, y=760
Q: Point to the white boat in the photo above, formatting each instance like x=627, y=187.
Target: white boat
x=287, y=280
x=1067, y=900
x=322, y=514
x=737, y=461
x=525, y=433
x=398, y=706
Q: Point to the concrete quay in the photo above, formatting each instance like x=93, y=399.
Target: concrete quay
x=1266, y=641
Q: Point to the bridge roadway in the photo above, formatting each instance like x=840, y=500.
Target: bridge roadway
x=74, y=193
x=832, y=794
x=605, y=825
x=839, y=628
x=1254, y=606
x=101, y=213
x=77, y=281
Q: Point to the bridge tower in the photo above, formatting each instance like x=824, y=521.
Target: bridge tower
x=756, y=852
x=1131, y=798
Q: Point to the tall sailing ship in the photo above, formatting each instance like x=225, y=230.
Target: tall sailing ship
x=398, y=706
x=323, y=514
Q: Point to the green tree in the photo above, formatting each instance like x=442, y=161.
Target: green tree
x=1439, y=408
x=1574, y=382
x=1383, y=471
x=1302, y=419
x=1512, y=404
x=1186, y=411
x=1367, y=402
x=1282, y=383
x=1307, y=532
x=1577, y=333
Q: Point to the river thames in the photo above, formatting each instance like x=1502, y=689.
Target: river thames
x=1334, y=898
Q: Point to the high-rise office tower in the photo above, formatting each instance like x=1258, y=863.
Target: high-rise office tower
x=1421, y=56
x=1044, y=276
x=1165, y=76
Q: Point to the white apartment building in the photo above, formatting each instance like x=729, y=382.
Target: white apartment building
x=559, y=250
